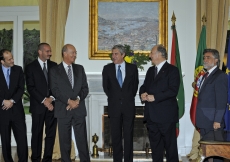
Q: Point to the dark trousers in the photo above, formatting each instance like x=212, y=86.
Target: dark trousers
x=211, y=135
x=19, y=129
x=162, y=137
x=64, y=131
x=116, y=124
x=38, y=121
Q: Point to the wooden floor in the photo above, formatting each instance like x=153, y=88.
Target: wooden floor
x=15, y=158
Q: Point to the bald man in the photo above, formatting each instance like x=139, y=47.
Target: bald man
x=69, y=87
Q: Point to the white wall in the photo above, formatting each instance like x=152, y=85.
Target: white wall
x=77, y=33
x=185, y=12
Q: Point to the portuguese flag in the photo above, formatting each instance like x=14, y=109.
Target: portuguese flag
x=175, y=60
x=199, y=72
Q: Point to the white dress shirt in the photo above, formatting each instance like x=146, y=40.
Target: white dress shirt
x=122, y=70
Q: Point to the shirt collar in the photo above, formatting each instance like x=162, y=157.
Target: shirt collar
x=66, y=65
x=5, y=68
x=211, y=70
x=159, y=66
x=122, y=65
x=41, y=62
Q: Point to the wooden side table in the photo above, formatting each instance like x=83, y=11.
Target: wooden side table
x=214, y=148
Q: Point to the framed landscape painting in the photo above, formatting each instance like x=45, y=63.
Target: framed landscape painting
x=141, y=24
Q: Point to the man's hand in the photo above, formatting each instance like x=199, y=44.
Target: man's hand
x=7, y=104
x=150, y=98
x=48, y=103
x=216, y=125
x=144, y=96
x=72, y=104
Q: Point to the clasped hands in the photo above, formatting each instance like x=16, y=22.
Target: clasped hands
x=7, y=104
x=146, y=97
x=48, y=103
x=72, y=104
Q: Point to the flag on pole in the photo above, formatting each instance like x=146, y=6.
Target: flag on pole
x=198, y=74
x=227, y=112
x=175, y=60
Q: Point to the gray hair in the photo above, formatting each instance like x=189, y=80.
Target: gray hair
x=215, y=54
x=162, y=50
x=120, y=47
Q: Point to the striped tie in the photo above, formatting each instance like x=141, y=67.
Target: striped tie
x=70, y=75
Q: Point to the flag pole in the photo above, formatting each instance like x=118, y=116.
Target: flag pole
x=204, y=19
x=173, y=19
x=198, y=73
x=175, y=60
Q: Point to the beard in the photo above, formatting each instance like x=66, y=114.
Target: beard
x=208, y=66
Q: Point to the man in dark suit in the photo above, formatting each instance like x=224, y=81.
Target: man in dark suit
x=12, y=114
x=69, y=87
x=120, y=83
x=41, y=104
x=212, y=99
x=159, y=92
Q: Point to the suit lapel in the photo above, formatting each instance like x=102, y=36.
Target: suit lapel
x=161, y=72
x=13, y=75
x=113, y=71
x=75, y=75
x=39, y=69
x=63, y=74
x=208, y=78
x=3, y=79
x=127, y=71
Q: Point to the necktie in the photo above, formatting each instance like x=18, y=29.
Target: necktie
x=205, y=76
x=45, y=71
x=155, y=74
x=70, y=75
x=8, y=78
x=119, y=75
x=203, y=79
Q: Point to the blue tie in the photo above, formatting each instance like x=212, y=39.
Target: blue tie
x=8, y=78
x=119, y=75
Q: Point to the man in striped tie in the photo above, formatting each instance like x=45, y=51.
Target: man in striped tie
x=120, y=83
x=69, y=87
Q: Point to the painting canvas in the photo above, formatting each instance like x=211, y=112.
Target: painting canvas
x=132, y=23
x=141, y=24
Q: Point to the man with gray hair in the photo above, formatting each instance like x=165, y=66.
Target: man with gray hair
x=212, y=99
x=120, y=83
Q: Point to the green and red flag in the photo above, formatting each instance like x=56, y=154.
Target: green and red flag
x=175, y=60
x=198, y=74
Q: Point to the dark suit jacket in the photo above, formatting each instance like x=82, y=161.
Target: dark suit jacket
x=62, y=89
x=117, y=95
x=212, y=100
x=37, y=85
x=15, y=92
x=164, y=88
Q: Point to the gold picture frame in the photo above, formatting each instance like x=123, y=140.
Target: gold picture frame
x=99, y=54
